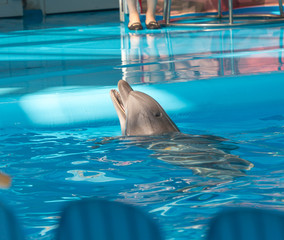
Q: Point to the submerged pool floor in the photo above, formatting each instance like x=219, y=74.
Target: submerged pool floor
x=57, y=117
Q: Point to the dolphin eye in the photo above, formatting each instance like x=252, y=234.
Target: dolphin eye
x=158, y=114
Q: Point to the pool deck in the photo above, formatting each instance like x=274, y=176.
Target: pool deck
x=58, y=73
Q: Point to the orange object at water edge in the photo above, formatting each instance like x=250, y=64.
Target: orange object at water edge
x=198, y=6
x=5, y=180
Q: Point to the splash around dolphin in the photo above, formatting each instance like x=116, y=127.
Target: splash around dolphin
x=140, y=114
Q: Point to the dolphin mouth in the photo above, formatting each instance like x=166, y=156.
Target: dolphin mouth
x=120, y=97
x=117, y=100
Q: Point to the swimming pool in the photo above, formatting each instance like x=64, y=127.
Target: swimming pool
x=56, y=114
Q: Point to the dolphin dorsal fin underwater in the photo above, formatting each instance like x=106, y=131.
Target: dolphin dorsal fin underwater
x=140, y=114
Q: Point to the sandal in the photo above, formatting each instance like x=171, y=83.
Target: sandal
x=153, y=25
x=135, y=26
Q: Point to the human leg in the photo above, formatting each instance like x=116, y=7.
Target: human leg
x=133, y=13
x=151, y=11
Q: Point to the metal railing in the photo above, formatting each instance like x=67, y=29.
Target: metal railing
x=221, y=20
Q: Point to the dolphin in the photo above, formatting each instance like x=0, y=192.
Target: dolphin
x=147, y=125
x=140, y=114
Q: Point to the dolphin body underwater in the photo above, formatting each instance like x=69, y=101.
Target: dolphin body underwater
x=142, y=117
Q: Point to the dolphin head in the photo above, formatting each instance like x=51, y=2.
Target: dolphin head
x=140, y=114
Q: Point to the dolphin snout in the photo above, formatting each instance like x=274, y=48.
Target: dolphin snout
x=124, y=90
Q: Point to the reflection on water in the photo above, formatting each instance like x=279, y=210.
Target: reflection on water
x=205, y=155
x=165, y=56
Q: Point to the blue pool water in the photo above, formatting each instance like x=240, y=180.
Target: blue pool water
x=57, y=118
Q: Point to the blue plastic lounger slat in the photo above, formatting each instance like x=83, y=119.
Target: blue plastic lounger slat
x=9, y=227
x=247, y=224
x=105, y=220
